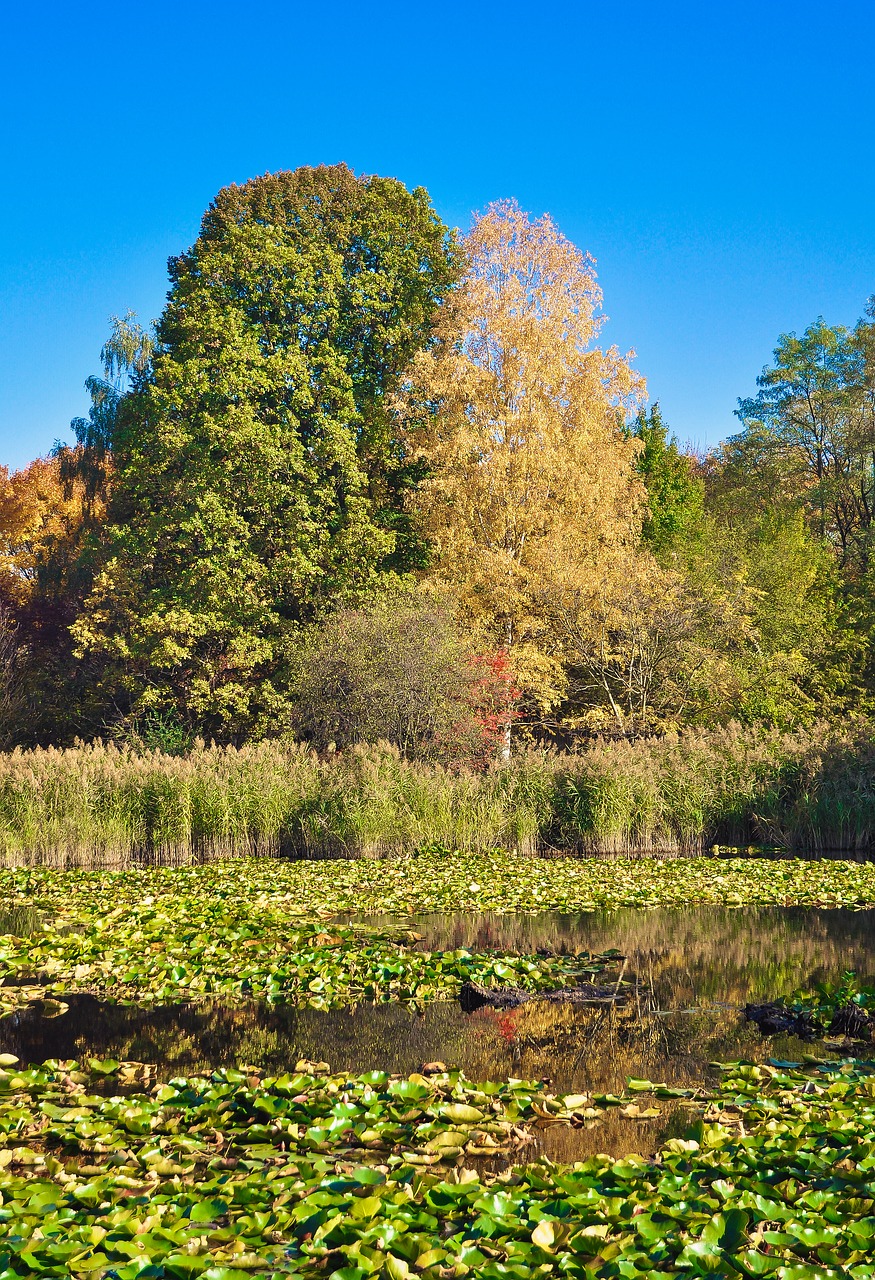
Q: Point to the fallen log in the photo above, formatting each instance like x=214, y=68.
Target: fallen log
x=473, y=996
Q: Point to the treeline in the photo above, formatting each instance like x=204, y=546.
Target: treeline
x=369, y=479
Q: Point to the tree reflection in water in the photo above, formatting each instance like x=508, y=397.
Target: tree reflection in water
x=697, y=967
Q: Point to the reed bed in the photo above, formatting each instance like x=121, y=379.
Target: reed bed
x=106, y=805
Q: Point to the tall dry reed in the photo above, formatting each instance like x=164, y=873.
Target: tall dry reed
x=107, y=805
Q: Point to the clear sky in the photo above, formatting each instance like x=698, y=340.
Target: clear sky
x=715, y=157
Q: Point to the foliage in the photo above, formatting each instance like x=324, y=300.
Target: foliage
x=842, y=1009
x=518, y=418
x=227, y=936
x=814, y=416
x=239, y=1174
x=675, y=492
x=125, y=356
x=635, y=648
x=495, y=701
x=683, y=792
x=257, y=471
x=398, y=672
x=766, y=592
x=426, y=882
x=45, y=519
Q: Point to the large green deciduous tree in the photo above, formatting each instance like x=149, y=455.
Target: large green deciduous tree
x=257, y=473
x=813, y=424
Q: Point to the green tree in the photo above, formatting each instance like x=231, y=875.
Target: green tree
x=258, y=478
x=813, y=421
x=674, y=492
x=125, y=356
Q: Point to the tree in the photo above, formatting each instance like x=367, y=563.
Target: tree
x=675, y=492
x=125, y=356
x=814, y=420
x=517, y=418
x=635, y=648
x=258, y=477
x=772, y=640
x=44, y=524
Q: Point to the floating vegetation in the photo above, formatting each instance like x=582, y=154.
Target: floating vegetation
x=269, y=930
x=104, y=1173
x=164, y=936
x=280, y=893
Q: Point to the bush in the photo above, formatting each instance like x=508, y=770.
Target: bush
x=400, y=673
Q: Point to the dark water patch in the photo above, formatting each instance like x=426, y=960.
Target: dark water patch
x=697, y=967
x=577, y=1050
x=689, y=956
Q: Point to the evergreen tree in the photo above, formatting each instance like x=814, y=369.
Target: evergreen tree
x=674, y=493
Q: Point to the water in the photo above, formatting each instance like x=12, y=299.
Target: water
x=700, y=964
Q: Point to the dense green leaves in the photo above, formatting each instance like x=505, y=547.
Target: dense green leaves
x=675, y=494
x=106, y=1173
x=268, y=929
x=312, y=1174
x=277, y=893
x=187, y=933
x=257, y=473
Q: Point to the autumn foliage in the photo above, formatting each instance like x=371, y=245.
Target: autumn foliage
x=359, y=448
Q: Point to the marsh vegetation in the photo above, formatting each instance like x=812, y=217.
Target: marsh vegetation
x=104, y=804
x=159, y=1119
x=389, y=645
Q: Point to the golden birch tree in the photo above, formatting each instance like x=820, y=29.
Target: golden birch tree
x=516, y=415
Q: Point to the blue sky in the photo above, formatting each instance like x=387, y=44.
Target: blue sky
x=716, y=158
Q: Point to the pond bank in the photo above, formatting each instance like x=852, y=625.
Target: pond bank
x=102, y=805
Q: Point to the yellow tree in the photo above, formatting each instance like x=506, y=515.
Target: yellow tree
x=40, y=517
x=517, y=417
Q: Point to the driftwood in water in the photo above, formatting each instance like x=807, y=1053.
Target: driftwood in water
x=473, y=996
x=776, y=1019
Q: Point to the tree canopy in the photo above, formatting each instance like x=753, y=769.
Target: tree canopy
x=530, y=483
x=370, y=477
x=258, y=478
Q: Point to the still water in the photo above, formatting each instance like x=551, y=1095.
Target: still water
x=698, y=967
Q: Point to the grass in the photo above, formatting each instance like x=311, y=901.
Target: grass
x=104, y=805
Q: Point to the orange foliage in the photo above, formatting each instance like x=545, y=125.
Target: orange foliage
x=39, y=513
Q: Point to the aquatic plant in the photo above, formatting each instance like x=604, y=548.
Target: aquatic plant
x=104, y=805
x=105, y=1174
x=837, y=1010
x=266, y=929
x=278, y=894
x=186, y=933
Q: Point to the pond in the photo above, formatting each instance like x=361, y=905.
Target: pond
x=698, y=967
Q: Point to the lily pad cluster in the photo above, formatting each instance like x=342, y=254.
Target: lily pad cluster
x=318, y=1175
x=439, y=880
x=165, y=936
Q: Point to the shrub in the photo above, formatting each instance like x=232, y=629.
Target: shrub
x=399, y=673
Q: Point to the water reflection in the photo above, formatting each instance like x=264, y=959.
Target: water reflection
x=702, y=964
x=577, y=1049
x=690, y=956
x=19, y=920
